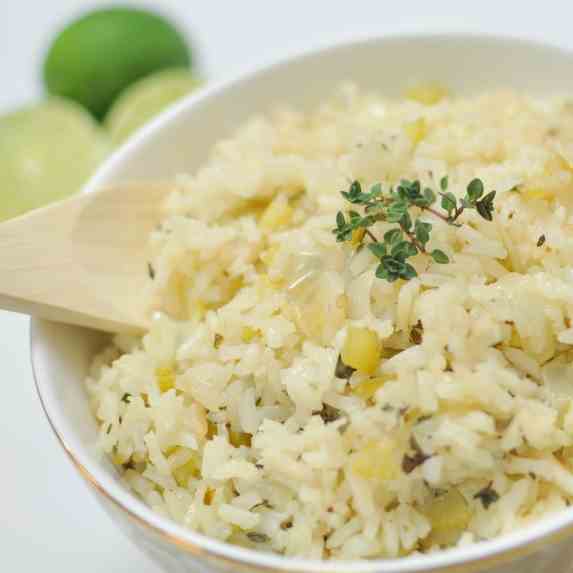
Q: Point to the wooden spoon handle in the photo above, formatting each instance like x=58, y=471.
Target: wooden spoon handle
x=82, y=260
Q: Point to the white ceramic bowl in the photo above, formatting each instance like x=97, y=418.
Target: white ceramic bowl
x=179, y=141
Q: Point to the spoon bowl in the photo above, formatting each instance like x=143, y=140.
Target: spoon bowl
x=83, y=260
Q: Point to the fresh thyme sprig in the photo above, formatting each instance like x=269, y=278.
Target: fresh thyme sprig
x=411, y=236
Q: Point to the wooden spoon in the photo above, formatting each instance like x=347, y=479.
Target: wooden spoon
x=83, y=260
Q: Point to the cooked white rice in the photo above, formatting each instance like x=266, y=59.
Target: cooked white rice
x=228, y=417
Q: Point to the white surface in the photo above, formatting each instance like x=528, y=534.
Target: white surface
x=48, y=521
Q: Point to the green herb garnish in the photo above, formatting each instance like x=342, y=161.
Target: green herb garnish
x=411, y=235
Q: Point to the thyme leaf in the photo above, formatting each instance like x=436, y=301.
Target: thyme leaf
x=400, y=206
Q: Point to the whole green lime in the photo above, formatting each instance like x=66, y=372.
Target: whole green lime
x=94, y=58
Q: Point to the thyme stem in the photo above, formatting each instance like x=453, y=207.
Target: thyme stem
x=411, y=236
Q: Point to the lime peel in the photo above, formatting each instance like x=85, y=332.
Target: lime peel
x=99, y=55
x=146, y=98
x=47, y=152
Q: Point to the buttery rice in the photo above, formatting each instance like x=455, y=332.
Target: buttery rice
x=228, y=416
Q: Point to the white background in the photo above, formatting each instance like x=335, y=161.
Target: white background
x=48, y=520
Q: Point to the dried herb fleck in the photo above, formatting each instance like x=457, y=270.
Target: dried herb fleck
x=416, y=333
x=126, y=398
x=257, y=537
x=392, y=505
x=329, y=413
x=150, y=271
x=541, y=241
x=217, y=340
x=343, y=370
x=487, y=495
x=411, y=462
x=128, y=465
x=265, y=503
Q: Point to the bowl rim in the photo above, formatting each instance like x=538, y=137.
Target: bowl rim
x=477, y=556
